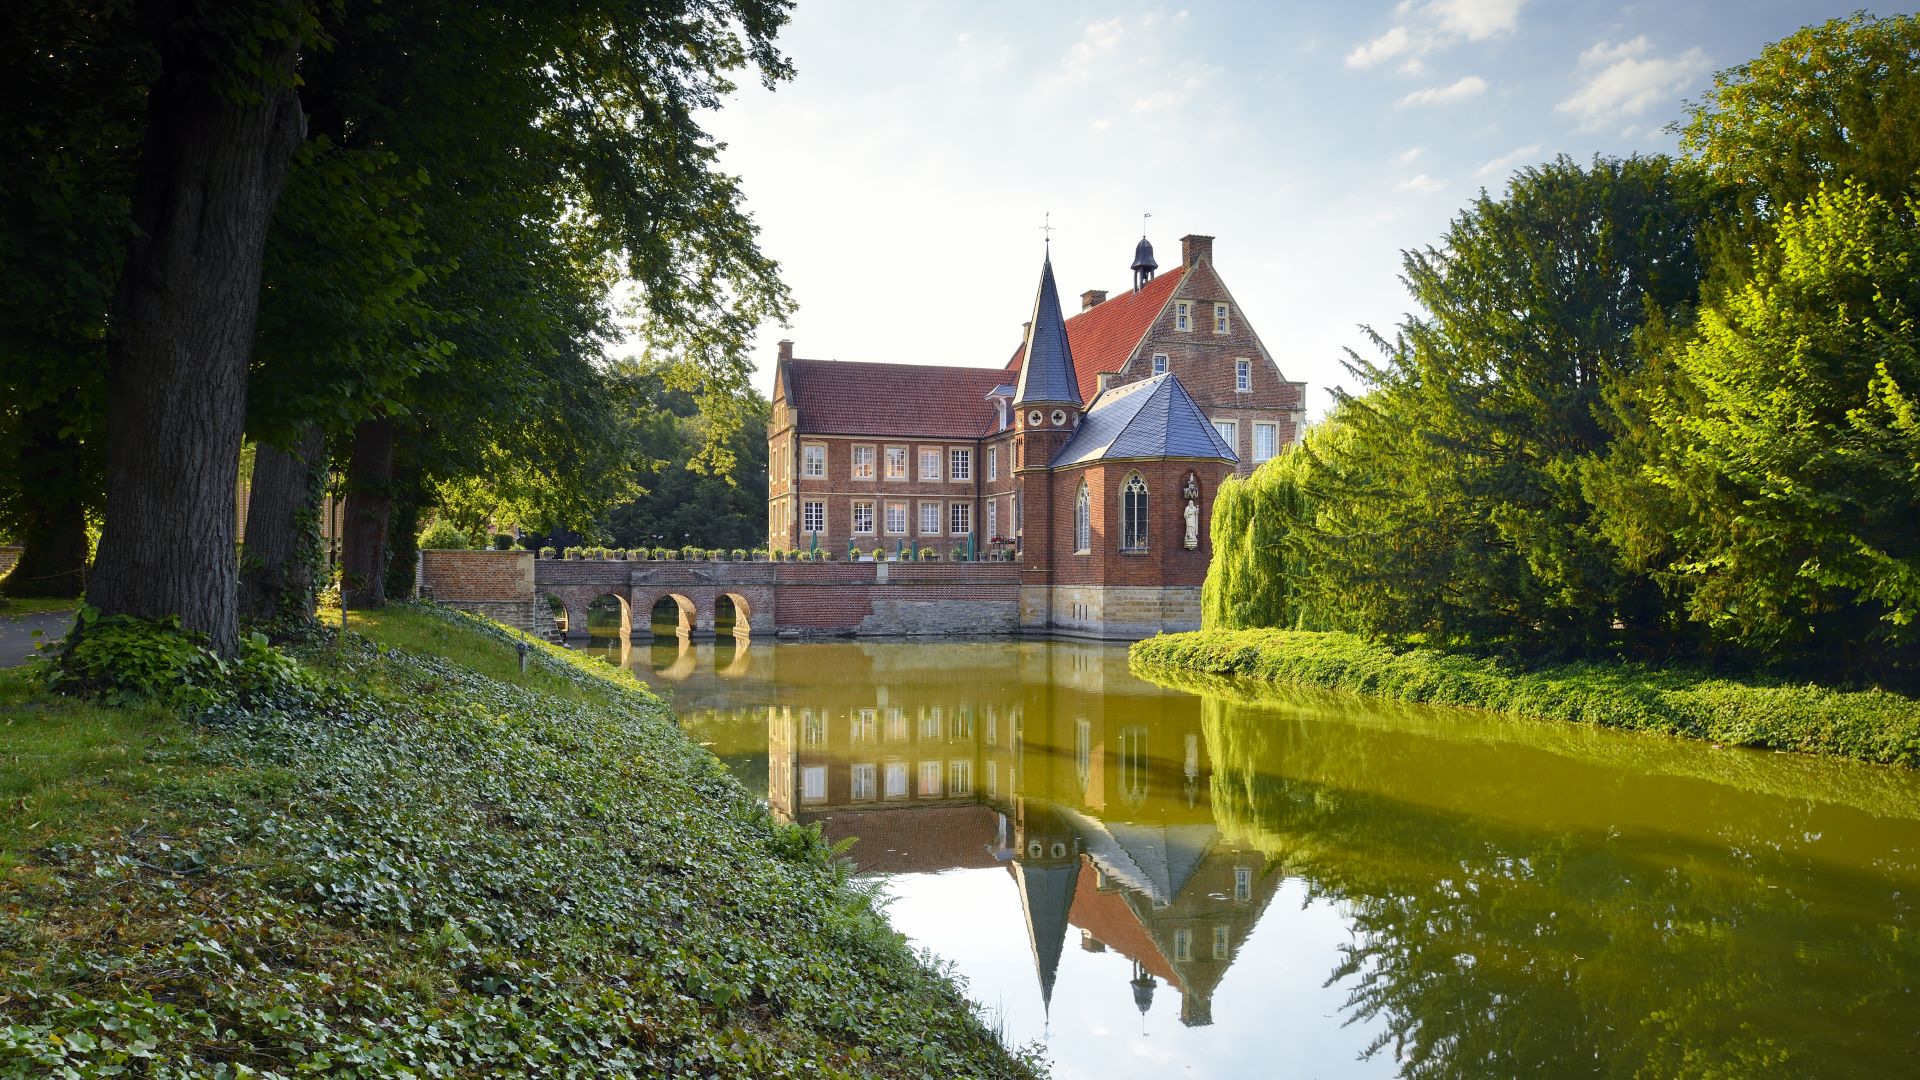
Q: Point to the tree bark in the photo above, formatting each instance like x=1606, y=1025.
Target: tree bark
x=53, y=529
x=211, y=168
x=280, y=559
x=363, y=540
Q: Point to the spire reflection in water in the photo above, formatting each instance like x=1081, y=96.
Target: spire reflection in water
x=1208, y=883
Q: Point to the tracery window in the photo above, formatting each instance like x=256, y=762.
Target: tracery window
x=1133, y=514
x=1082, y=520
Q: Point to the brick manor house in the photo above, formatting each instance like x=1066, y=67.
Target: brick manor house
x=1091, y=457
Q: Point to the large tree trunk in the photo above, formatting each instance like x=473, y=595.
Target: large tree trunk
x=211, y=167
x=53, y=532
x=280, y=560
x=363, y=540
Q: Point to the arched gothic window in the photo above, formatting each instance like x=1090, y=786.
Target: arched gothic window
x=1082, y=520
x=1133, y=514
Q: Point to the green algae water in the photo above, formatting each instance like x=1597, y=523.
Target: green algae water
x=1222, y=881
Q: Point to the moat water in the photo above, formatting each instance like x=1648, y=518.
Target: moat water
x=1155, y=882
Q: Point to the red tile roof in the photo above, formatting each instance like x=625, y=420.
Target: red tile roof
x=1103, y=338
x=1115, y=924
x=915, y=839
x=840, y=397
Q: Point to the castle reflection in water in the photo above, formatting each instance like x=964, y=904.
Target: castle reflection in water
x=1089, y=787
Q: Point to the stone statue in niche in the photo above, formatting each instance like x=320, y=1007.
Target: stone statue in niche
x=1192, y=511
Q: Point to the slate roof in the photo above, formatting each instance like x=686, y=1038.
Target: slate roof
x=1046, y=897
x=1101, y=339
x=1048, y=376
x=1157, y=860
x=843, y=397
x=1153, y=418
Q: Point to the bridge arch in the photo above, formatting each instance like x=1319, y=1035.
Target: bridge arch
x=685, y=613
x=622, y=621
x=735, y=608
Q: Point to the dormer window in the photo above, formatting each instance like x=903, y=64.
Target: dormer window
x=1183, y=314
x=1220, y=322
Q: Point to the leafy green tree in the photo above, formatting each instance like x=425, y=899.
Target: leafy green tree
x=1784, y=437
x=1837, y=101
x=685, y=499
x=73, y=85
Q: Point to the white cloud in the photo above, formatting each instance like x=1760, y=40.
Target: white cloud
x=1420, y=182
x=1626, y=80
x=1380, y=49
x=1469, y=87
x=1407, y=156
x=1508, y=160
x=1435, y=25
x=1477, y=20
x=1175, y=96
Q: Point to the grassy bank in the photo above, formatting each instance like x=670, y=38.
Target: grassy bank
x=1867, y=725
x=433, y=865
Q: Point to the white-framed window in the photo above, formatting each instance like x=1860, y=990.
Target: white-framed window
x=930, y=724
x=1243, y=883
x=813, y=460
x=1082, y=521
x=896, y=777
x=1230, y=431
x=896, y=463
x=993, y=463
x=862, y=726
x=1243, y=375
x=1266, y=441
x=960, y=518
x=929, y=780
x=863, y=516
x=863, y=463
x=1221, y=940
x=929, y=519
x=896, y=519
x=1159, y=363
x=813, y=783
x=896, y=724
x=1133, y=514
x=813, y=729
x=1221, y=324
x=960, y=778
x=993, y=518
x=993, y=779
x=959, y=464
x=1182, y=946
x=863, y=779
x=813, y=516
x=1183, y=314
x=929, y=463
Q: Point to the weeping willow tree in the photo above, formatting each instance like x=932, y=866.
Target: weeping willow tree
x=1260, y=574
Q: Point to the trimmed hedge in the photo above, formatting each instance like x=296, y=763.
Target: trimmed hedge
x=1867, y=725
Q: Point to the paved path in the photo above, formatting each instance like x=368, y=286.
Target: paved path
x=16, y=634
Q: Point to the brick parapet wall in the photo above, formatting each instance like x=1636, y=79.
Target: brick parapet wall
x=452, y=576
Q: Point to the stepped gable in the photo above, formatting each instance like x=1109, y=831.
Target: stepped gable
x=1104, y=337
x=1048, y=376
x=909, y=401
x=1153, y=418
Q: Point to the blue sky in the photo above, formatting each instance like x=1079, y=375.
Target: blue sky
x=902, y=177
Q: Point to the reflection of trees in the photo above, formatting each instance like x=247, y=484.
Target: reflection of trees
x=1742, y=944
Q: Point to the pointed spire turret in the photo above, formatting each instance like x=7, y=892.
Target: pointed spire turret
x=1046, y=375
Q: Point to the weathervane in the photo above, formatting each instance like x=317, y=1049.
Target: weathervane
x=1046, y=226
x=1143, y=222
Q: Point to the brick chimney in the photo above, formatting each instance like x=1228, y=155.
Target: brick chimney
x=1194, y=247
x=786, y=349
x=1092, y=297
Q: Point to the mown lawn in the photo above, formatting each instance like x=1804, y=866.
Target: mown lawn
x=431, y=864
x=1868, y=725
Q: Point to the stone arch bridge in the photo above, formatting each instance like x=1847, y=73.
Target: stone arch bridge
x=786, y=598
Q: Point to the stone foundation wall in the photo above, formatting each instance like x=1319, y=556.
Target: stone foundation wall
x=1123, y=612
